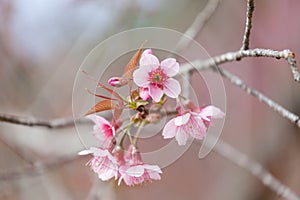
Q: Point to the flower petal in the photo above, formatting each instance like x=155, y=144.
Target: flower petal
x=172, y=88
x=149, y=60
x=140, y=77
x=182, y=135
x=136, y=171
x=198, y=128
x=156, y=93
x=211, y=111
x=170, y=66
x=98, y=120
x=84, y=152
x=147, y=51
x=169, y=129
x=182, y=119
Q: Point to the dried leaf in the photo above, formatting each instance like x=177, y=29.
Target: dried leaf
x=101, y=106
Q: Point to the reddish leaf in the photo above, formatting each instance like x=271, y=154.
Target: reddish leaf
x=101, y=106
x=133, y=63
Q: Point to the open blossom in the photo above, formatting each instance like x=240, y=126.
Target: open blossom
x=135, y=172
x=156, y=76
x=104, y=131
x=103, y=163
x=191, y=124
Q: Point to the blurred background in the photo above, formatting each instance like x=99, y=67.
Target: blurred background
x=42, y=44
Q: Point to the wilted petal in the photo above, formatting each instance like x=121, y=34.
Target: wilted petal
x=156, y=93
x=170, y=66
x=172, y=88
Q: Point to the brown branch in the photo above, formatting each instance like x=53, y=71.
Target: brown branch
x=255, y=168
x=246, y=38
x=29, y=121
x=199, y=22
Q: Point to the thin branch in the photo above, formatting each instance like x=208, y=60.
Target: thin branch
x=238, y=55
x=199, y=22
x=261, y=97
x=255, y=168
x=38, y=168
x=246, y=39
x=29, y=121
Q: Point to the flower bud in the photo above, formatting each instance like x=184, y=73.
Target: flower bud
x=144, y=93
x=117, y=81
x=147, y=51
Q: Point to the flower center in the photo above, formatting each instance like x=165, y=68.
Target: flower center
x=157, y=77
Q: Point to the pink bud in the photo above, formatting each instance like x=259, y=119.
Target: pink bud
x=144, y=93
x=147, y=51
x=117, y=81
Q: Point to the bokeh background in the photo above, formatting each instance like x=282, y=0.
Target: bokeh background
x=42, y=44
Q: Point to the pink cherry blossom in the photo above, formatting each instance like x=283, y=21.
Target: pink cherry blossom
x=104, y=131
x=103, y=163
x=184, y=126
x=135, y=172
x=191, y=123
x=156, y=76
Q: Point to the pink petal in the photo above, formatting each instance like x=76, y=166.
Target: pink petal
x=182, y=136
x=149, y=60
x=181, y=120
x=98, y=120
x=147, y=51
x=170, y=66
x=156, y=93
x=172, y=88
x=135, y=171
x=198, y=128
x=211, y=111
x=144, y=93
x=140, y=77
x=154, y=168
x=170, y=129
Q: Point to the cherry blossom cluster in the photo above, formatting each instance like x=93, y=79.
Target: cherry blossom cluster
x=154, y=84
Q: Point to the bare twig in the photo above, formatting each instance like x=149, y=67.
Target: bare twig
x=261, y=97
x=29, y=121
x=197, y=25
x=238, y=55
x=38, y=168
x=255, y=168
x=246, y=39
